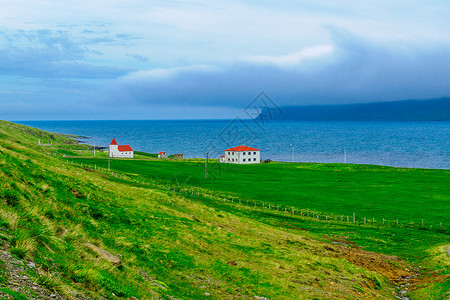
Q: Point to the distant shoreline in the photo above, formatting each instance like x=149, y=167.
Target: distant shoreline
x=434, y=110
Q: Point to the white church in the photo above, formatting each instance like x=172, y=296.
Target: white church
x=116, y=150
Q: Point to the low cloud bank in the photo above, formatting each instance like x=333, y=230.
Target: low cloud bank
x=348, y=71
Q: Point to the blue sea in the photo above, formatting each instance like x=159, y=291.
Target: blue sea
x=399, y=144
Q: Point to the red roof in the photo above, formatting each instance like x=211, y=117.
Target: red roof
x=242, y=148
x=124, y=148
x=162, y=152
x=223, y=156
x=113, y=142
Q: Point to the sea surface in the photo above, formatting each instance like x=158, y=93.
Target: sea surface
x=399, y=144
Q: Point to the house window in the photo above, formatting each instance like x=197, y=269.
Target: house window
x=249, y=153
x=228, y=159
x=243, y=159
x=254, y=153
x=244, y=153
x=254, y=159
x=228, y=153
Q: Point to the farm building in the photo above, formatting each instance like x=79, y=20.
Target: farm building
x=222, y=159
x=242, y=155
x=162, y=154
x=116, y=150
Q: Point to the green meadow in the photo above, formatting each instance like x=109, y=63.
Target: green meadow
x=180, y=235
x=369, y=191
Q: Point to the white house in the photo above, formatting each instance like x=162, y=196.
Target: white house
x=162, y=154
x=242, y=155
x=116, y=150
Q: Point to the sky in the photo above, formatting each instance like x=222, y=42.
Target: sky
x=199, y=59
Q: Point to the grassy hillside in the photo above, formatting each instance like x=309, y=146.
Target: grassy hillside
x=175, y=243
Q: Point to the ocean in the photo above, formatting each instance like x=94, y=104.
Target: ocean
x=398, y=144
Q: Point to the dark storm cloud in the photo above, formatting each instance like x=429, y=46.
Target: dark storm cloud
x=355, y=71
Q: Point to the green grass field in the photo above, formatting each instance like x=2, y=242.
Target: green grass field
x=369, y=191
x=175, y=243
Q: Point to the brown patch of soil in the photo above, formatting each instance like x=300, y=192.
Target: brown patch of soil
x=390, y=266
x=400, y=273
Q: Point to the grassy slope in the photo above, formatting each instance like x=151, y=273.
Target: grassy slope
x=168, y=239
x=370, y=191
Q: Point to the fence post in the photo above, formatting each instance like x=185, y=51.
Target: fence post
x=354, y=218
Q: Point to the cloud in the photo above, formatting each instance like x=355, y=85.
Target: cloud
x=293, y=59
x=48, y=53
x=139, y=57
x=350, y=70
x=187, y=56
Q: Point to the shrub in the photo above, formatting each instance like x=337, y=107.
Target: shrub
x=12, y=198
x=378, y=284
x=19, y=251
x=22, y=244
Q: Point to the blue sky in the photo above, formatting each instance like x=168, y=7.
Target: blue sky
x=209, y=59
